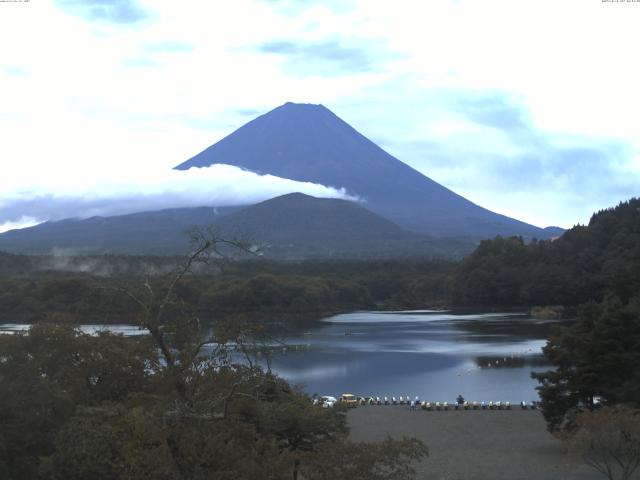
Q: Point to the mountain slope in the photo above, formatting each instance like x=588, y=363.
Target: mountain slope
x=297, y=215
x=293, y=226
x=309, y=143
x=158, y=232
x=298, y=225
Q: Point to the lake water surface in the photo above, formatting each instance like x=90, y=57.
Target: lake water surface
x=434, y=355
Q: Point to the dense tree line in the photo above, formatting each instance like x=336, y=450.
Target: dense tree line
x=596, y=362
x=302, y=291
x=597, y=357
x=580, y=266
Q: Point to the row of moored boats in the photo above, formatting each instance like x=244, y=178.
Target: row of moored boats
x=351, y=400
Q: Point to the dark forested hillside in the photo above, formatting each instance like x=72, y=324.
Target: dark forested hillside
x=582, y=265
x=298, y=226
x=12, y=265
x=81, y=288
x=162, y=232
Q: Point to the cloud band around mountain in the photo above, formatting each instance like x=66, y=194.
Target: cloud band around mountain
x=217, y=185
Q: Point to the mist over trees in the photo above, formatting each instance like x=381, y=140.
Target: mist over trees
x=175, y=404
x=298, y=292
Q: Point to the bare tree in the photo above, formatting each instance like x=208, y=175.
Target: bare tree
x=174, y=328
x=608, y=439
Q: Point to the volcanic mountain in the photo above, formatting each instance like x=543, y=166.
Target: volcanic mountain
x=310, y=143
x=399, y=211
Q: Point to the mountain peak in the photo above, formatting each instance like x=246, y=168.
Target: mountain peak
x=299, y=112
x=309, y=143
x=296, y=196
x=293, y=105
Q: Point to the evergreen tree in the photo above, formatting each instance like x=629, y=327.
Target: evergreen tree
x=596, y=360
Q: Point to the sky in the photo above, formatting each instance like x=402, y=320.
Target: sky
x=528, y=108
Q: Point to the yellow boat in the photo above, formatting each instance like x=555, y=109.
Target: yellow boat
x=349, y=399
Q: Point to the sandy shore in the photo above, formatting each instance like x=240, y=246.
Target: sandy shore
x=482, y=445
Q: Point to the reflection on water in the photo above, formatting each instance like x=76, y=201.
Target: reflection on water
x=435, y=355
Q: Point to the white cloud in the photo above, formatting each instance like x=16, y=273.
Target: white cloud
x=218, y=185
x=22, y=222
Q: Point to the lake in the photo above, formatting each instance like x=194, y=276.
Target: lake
x=432, y=354
x=122, y=329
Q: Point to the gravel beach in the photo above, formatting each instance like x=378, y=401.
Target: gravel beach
x=469, y=444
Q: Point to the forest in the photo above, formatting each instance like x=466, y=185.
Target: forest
x=583, y=265
x=580, y=266
x=299, y=292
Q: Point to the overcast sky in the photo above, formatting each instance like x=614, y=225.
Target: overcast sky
x=529, y=108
